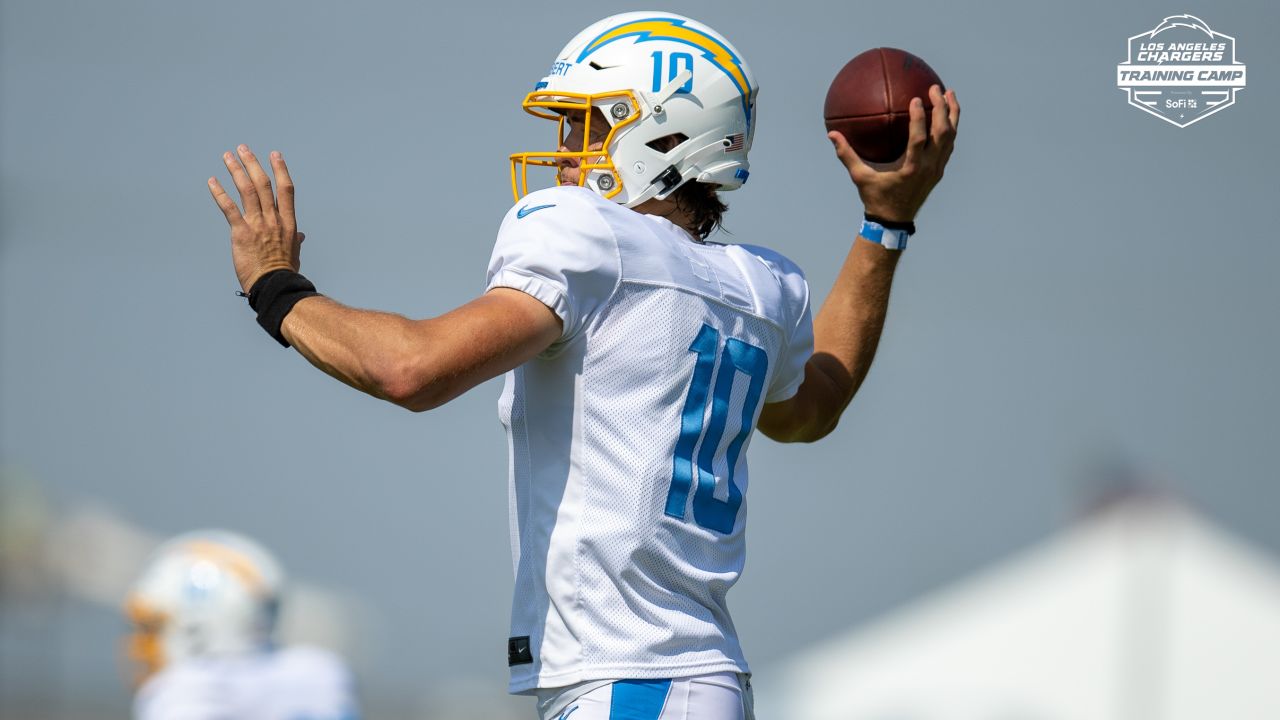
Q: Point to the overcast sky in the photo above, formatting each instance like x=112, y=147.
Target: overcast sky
x=1087, y=281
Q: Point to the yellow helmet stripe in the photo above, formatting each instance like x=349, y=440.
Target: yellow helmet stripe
x=229, y=559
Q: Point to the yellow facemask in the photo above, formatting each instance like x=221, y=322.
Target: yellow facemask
x=554, y=106
x=143, y=651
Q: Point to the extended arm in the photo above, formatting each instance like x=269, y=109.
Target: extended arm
x=417, y=364
x=847, y=328
x=846, y=332
x=422, y=364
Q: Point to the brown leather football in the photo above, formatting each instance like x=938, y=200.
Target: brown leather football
x=869, y=97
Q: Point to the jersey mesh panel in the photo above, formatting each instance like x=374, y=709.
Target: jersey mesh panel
x=655, y=585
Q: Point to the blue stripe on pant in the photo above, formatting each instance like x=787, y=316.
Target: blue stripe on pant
x=638, y=699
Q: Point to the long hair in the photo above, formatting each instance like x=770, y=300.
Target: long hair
x=703, y=205
x=699, y=200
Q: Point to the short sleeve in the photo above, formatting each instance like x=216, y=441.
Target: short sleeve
x=797, y=321
x=799, y=349
x=318, y=682
x=555, y=246
x=180, y=693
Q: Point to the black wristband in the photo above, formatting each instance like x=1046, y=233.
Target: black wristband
x=908, y=226
x=274, y=294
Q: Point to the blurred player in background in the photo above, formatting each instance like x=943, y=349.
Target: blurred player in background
x=639, y=356
x=204, y=615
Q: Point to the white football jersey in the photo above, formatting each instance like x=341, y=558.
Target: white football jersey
x=296, y=683
x=628, y=436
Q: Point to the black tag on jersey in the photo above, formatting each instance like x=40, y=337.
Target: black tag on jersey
x=518, y=652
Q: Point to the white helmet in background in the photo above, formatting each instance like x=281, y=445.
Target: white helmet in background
x=204, y=593
x=652, y=75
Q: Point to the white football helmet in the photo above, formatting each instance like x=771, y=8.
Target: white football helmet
x=204, y=593
x=652, y=75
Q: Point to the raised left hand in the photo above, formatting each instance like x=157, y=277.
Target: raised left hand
x=265, y=236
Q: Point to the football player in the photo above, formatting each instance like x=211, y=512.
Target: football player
x=203, y=616
x=639, y=355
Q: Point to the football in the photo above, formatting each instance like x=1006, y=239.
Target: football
x=868, y=100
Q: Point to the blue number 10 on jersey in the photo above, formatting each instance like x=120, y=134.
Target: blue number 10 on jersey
x=736, y=357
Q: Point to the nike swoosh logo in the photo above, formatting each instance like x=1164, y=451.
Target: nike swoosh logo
x=568, y=712
x=522, y=212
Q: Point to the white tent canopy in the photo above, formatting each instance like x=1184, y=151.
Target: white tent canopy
x=1141, y=612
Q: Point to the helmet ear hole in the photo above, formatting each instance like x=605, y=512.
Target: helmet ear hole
x=667, y=143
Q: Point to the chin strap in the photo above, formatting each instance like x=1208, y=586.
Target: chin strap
x=670, y=179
